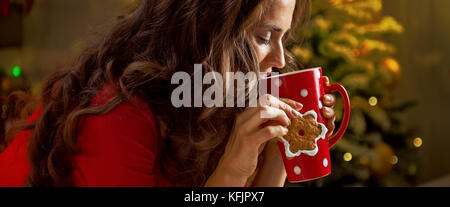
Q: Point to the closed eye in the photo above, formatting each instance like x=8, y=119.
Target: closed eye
x=264, y=40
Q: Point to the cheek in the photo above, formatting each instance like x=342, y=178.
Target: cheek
x=261, y=52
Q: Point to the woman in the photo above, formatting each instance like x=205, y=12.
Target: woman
x=108, y=120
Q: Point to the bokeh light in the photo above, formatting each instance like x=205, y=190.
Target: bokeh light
x=373, y=101
x=16, y=71
x=417, y=142
x=348, y=156
x=394, y=159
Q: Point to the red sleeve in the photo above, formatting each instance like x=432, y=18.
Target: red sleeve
x=14, y=166
x=117, y=149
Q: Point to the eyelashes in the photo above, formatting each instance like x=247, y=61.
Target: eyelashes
x=264, y=40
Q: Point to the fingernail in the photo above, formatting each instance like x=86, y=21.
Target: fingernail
x=299, y=105
x=327, y=111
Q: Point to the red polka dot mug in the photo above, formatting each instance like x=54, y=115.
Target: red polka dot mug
x=308, y=87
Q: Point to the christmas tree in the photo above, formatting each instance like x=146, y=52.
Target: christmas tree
x=347, y=39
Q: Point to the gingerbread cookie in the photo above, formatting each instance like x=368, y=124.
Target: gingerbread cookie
x=303, y=134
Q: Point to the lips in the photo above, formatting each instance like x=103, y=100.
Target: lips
x=266, y=72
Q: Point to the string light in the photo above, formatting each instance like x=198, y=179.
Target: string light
x=417, y=142
x=16, y=71
x=348, y=156
x=394, y=159
x=373, y=101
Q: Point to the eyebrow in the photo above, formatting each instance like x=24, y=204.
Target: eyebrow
x=274, y=27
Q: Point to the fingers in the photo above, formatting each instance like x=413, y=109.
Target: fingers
x=294, y=104
x=331, y=126
x=329, y=115
x=277, y=103
x=275, y=114
x=327, y=80
x=269, y=132
x=327, y=112
x=329, y=100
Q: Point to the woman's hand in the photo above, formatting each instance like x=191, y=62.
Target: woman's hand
x=271, y=171
x=329, y=100
x=250, y=133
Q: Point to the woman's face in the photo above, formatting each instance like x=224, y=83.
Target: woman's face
x=267, y=35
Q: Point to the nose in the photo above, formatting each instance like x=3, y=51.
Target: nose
x=277, y=57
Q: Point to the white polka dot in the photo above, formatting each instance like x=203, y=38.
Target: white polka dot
x=320, y=105
x=304, y=93
x=297, y=170
x=325, y=162
x=278, y=82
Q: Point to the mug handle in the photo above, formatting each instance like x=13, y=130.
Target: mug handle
x=339, y=88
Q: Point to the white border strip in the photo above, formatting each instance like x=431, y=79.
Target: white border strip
x=294, y=72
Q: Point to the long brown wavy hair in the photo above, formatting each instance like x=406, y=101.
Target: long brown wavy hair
x=140, y=54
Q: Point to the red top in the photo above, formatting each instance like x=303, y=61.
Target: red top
x=118, y=148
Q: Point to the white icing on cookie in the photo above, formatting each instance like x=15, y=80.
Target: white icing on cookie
x=308, y=152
